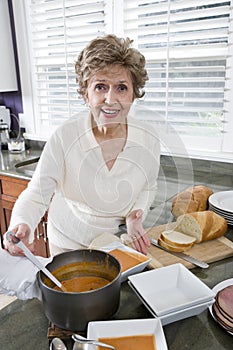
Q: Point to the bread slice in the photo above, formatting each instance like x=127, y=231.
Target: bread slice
x=173, y=247
x=177, y=239
x=203, y=225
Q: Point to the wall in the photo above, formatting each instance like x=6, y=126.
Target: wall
x=13, y=100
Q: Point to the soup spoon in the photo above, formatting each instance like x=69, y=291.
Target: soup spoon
x=78, y=338
x=57, y=344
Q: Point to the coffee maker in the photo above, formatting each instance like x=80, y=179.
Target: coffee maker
x=5, y=121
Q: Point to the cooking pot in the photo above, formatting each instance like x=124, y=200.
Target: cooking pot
x=73, y=311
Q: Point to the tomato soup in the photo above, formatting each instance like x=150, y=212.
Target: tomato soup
x=136, y=342
x=127, y=259
x=83, y=283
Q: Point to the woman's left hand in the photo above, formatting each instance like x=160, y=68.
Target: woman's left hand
x=135, y=230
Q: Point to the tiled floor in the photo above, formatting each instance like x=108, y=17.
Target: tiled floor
x=5, y=300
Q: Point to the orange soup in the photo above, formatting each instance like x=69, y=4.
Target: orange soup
x=137, y=342
x=127, y=259
x=83, y=284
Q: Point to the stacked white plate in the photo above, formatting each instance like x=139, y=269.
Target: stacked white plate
x=222, y=203
x=172, y=293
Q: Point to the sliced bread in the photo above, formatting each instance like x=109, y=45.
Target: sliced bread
x=177, y=239
x=173, y=247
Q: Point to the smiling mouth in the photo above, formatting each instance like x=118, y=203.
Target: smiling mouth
x=110, y=112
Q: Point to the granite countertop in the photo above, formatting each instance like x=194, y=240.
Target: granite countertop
x=24, y=325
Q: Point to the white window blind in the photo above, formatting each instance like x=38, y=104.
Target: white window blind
x=187, y=46
x=59, y=30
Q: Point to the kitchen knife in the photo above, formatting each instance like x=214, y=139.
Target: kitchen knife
x=180, y=255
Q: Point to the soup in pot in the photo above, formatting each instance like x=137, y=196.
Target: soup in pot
x=83, y=284
x=83, y=276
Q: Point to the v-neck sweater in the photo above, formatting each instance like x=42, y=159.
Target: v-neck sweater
x=84, y=197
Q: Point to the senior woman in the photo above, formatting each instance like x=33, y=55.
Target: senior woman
x=99, y=169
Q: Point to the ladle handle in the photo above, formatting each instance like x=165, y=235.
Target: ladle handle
x=79, y=339
x=10, y=236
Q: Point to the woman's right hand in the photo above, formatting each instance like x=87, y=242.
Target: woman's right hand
x=22, y=231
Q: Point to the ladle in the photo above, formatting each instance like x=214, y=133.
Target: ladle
x=78, y=338
x=57, y=344
x=10, y=236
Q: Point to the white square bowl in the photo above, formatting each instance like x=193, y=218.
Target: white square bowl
x=171, y=288
x=185, y=313
x=176, y=315
x=133, y=270
x=121, y=328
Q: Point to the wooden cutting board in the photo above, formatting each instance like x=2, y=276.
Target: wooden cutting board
x=208, y=252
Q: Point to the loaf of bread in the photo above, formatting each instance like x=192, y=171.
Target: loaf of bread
x=202, y=225
x=176, y=241
x=191, y=200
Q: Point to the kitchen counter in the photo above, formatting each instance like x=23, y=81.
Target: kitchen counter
x=10, y=161
x=23, y=324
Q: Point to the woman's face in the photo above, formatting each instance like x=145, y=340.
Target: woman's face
x=110, y=95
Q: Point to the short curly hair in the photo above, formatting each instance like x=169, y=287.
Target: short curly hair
x=106, y=51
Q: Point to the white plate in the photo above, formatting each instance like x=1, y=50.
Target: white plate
x=229, y=221
x=171, y=288
x=221, y=212
x=222, y=200
x=177, y=315
x=228, y=217
x=216, y=289
x=133, y=270
x=120, y=328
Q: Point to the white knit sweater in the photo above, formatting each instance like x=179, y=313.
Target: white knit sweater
x=84, y=197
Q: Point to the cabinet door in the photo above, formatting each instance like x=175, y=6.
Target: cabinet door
x=10, y=189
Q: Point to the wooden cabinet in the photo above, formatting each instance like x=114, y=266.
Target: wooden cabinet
x=10, y=189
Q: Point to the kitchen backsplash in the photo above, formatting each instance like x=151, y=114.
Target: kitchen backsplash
x=207, y=171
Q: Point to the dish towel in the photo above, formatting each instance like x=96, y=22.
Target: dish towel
x=18, y=276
